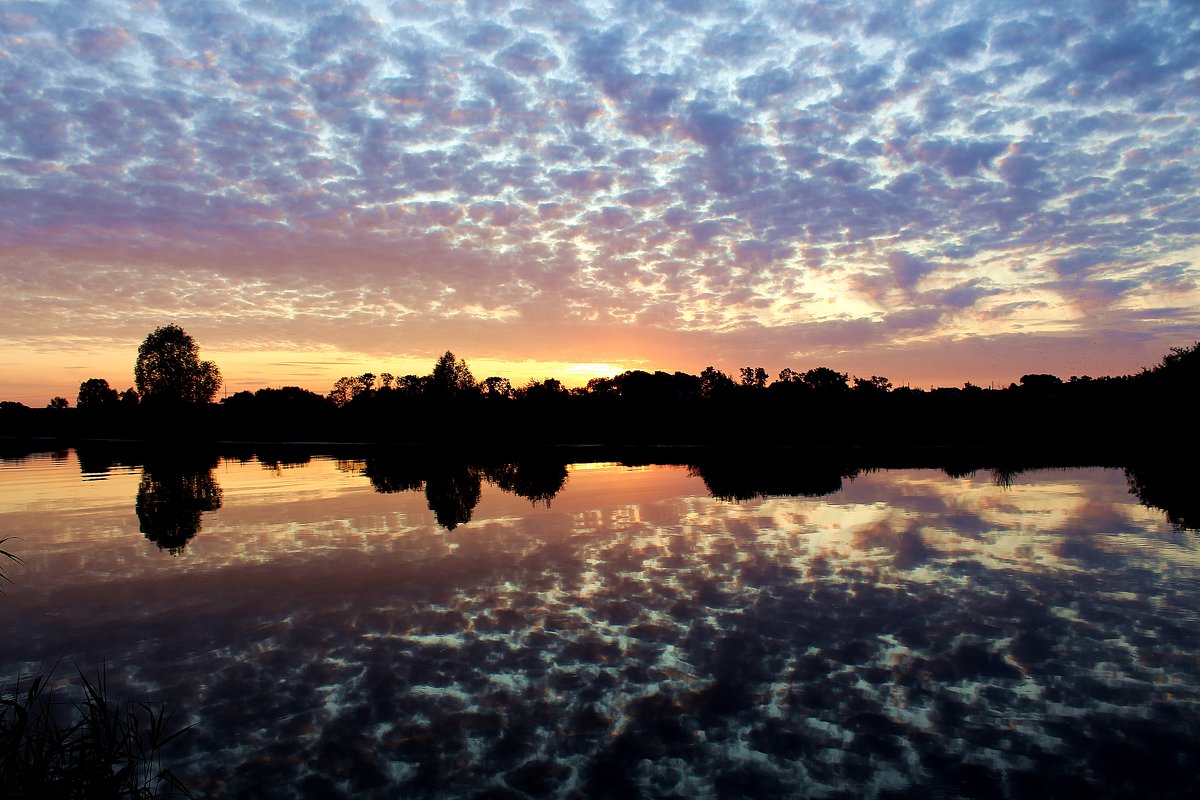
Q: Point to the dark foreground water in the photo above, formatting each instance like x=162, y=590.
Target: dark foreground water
x=396, y=629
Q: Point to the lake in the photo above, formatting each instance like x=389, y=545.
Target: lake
x=391, y=625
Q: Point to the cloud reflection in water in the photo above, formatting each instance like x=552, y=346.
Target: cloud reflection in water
x=909, y=630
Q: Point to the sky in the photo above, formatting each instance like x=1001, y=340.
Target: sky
x=935, y=192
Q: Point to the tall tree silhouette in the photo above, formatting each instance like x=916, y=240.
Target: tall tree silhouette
x=169, y=369
x=451, y=377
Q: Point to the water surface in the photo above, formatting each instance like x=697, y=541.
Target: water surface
x=388, y=627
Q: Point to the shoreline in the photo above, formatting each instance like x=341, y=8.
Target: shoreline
x=889, y=455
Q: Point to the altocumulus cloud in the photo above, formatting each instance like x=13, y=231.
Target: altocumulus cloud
x=774, y=181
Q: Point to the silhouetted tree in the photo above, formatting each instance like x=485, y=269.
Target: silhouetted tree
x=1179, y=370
x=602, y=387
x=826, y=380
x=412, y=385
x=548, y=389
x=129, y=398
x=96, y=394
x=874, y=385
x=171, y=497
x=496, y=388
x=350, y=388
x=754, y=377
x=1040, y=382
x=169, y=369
x=789, y=375
x=451, y=377
x=714, y=383
x=58, y=402
x=1182, y=358
x=646, y=388
x=342, y=391
x=277, y=414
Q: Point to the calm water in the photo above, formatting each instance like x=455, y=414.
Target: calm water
x=392, y=628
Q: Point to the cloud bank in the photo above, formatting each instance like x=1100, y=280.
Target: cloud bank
x=651, y=184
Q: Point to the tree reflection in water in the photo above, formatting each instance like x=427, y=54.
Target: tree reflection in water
x=754, y=478
x=536, y=481
x=915, y=635
x=453, y=491
x=173, y=494
x=453, y=488
x=1167, y=487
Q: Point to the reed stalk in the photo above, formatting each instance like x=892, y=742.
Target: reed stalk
x=53, y=745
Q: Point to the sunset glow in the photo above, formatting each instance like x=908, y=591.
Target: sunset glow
x=936, y=192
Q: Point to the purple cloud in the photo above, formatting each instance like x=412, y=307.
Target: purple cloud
x=907, y=268
x=644, y=162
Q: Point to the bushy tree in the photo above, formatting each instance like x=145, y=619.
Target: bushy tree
x=548, y=389
x=169, y=369
x=824, y=379
x=603, y=387
x=496, y=387
x=451, y=377
x=873, y=385
x=412, y=385
x=754, y=377
x=714, y=383
x=1040, y=382
x=95, y=394
x=348, y=388
x=1179, y=370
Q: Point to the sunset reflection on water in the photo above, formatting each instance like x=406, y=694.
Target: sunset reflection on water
x=629, y=635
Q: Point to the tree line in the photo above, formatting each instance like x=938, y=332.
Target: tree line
x=449, y=404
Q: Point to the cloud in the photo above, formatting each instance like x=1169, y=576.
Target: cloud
x=527, y=57
x=1081, y=262
x=734, y=167
x=907, y=268
x=958, y=158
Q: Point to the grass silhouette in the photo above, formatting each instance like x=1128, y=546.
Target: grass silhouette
x=53, y=745
x=90, y=746
x=4, y=554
